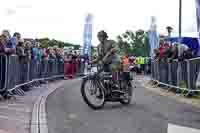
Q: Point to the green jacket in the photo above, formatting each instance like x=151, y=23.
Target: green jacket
x=104, y=51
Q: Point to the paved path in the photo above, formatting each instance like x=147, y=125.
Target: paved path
x=148, y=113
x=15, y=114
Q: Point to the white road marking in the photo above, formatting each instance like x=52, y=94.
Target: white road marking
x=180, y=129
x=18, y=104
x=9, y=118
x=72, y=116
x=17, y=115
x=16, y=109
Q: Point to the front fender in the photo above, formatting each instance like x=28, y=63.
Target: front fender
x=90, y=76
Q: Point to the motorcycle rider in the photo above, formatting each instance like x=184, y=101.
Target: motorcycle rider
x=107, y=53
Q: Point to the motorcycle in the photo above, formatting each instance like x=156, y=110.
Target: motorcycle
x=99, y=88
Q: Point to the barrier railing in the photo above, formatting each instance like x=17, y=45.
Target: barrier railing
x=165, y=72
x=14, y=72
x=3, y=71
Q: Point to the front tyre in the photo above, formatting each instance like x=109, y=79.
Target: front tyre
x=128, y=93
x=93, y=95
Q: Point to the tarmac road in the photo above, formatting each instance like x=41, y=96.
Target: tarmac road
x=148, y=113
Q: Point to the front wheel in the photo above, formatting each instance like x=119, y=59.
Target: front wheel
x=93, y=95
x=126, y=100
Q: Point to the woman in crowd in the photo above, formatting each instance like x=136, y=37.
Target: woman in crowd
x=35, y=51
x=44, y=54
x=66, y=65
x=2, y=44
x=74, y=59
x=78, y=63
x=69, y=66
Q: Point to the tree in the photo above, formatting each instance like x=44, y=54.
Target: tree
x=133, y=43
x=76, y=47
x=44, y=42
x=94, y=50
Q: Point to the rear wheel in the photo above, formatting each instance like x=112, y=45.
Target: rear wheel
x=127, y=87
x=93, y=95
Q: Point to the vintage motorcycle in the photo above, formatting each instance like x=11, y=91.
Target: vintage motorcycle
x=97, y=88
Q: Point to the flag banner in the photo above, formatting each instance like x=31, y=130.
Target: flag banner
x=87, y=37
x=198, y=30
x=198, y=14
x=153, y=37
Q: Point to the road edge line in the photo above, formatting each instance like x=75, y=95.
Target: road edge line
x=39, y=116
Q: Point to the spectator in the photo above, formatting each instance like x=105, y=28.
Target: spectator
x=74, y=58
x=78, y=64
x=12, y=43
x=175, y=52
x=125, y=63
x=70, y=66
x=67, y=65
x=59, y=54
x=182, y=48
x=35, y=51
x=187, y=54
x=44, y=54
x=161, y=50
x=70, y=53
x=20, y=51
x=17, y=35
x=2, y=44
x=23, y=51
x=28, y=51
x=52, y=54
x=4, y=48
x=82, y=64
x=40, y=53
x=6, y=33
x=156, y=53
x=167, y=52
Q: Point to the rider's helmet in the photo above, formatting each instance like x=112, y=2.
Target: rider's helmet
x=103, y=34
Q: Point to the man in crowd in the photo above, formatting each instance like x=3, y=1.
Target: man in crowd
x=11, y=42
x=2, y=44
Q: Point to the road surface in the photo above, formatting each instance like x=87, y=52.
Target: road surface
x=148, y=113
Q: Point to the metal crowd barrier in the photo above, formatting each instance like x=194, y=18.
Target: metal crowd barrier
x=165, y=72
x=14, y=73
x=194, y=69
x=3, y=71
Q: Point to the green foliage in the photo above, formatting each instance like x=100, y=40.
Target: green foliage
x=46, y=42
x=133, y=43
x=76, y=47
x=94, y=51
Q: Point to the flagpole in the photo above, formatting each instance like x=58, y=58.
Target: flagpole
x=180, y=21
x=179, y=43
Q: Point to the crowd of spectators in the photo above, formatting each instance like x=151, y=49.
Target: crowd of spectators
x=168, y=51
x=28, y=50
x=75, y=63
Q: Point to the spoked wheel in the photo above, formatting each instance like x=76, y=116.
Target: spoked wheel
x=93, y=95
x=127, y=97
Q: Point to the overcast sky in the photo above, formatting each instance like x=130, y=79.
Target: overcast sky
x=64, y=19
